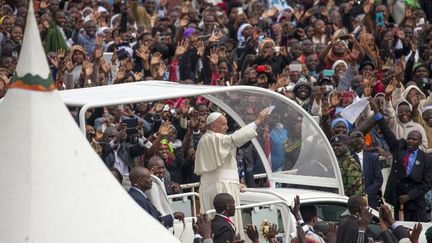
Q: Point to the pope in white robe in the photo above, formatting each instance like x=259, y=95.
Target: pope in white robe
x=216, y=162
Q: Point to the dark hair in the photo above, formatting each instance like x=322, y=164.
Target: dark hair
x=354, y=204
x=221, y=201
x=308, y=213
x=116, y=173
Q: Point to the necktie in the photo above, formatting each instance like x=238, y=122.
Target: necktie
x=406, y=161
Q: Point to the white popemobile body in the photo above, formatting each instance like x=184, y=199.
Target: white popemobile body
x=309, y=169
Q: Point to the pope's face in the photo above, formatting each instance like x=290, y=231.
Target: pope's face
x=220, y=125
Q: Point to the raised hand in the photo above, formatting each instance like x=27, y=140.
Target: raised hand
x=391, y=87
x=5, y=78
x=385, y=215
x=69, y=64
x=252, y=233
x=165, y=128
x=415, y=233
x=161, y=69
x=200, y=48
x=54, y=61
x=60, y=53
x=143, y=52
x=273, y=231
x=296, y=208
x=43, y=4
x=106, y=67
x=215, y=37
x=121, y=72
x=203, y=225
x=331, y=233
x=156, y=58
x=213, y=57
x=98, y=53
x=182, y=47
x=399, y=33
x=99, y=39
x=88, y=68
x=365, y=218
x=194, y=119
x=138, y=76
x=367, y=86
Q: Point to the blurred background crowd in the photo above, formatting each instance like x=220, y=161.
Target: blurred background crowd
x=325, y=55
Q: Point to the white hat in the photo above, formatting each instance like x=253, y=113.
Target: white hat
x=426, y=108
x=213, y=117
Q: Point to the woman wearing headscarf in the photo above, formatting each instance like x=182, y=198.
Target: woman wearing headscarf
x=79, y=72
x=400, y=121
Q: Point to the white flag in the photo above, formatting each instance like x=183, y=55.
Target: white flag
x=353, y=111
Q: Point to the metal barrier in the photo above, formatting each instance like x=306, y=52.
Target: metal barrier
x=252, y=205
x=193, y=193
x=185, y=195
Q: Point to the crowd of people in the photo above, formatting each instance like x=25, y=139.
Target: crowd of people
x=325, y=55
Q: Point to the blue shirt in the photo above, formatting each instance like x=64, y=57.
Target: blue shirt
x=411, y=161
x=278, y=137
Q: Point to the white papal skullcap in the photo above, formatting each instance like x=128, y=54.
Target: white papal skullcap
x=213, y=117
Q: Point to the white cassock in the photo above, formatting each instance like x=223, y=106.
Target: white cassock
x=216, y=163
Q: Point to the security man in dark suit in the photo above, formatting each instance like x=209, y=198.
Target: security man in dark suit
x=141, y=181
x=222, y=227
x=370, y=166
x=411, y=173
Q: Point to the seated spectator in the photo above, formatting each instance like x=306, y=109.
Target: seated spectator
x=141, y=181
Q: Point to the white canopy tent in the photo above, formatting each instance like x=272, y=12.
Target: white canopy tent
x=54, y=187
x=314, y=164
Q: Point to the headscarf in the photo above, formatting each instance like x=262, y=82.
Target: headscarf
x=113, y=18
x=265, y=41
x=403, y=102
x=240, y=37
x=339, y=62
x=6, y=17
x=426, y=108
x=188, y=32
x=339, y=120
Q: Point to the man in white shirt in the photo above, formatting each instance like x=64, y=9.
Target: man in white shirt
x=370, y=166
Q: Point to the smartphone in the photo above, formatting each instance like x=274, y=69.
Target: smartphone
x=295, y=67
x=379, y=19
x=328, y=72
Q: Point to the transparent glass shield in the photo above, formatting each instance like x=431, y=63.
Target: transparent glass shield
x=293, y=149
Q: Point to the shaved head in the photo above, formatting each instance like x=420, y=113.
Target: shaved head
x=155, y=161
x=221, y=201
x=136, y=173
